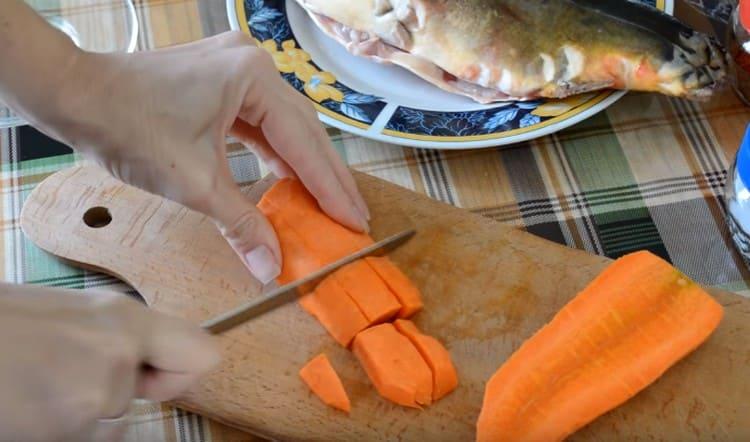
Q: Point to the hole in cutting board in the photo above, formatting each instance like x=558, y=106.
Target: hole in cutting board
x=97, y=217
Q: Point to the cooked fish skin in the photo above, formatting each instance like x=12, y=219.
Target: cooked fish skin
x=497, y=50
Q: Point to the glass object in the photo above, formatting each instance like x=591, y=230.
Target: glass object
x=93, y=25
x=738, y=198
x=739, y=49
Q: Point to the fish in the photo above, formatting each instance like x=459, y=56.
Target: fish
x=518, y=50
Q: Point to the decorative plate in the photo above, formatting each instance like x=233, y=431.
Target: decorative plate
x=388, y=103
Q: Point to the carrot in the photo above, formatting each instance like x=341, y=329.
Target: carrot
x=620, y=334
x=335, y=310
x=297, y=261
x=368, y=291
x=444, y=378
x=394, y=365
x=406, y=292
x=289, y=202
x=322, y=379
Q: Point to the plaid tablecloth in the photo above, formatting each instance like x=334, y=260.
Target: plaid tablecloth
x=646, y=174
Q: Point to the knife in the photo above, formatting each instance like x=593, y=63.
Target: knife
x=713, y=23
x=290, y=292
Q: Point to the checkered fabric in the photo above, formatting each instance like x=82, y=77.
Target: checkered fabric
x=646, y=174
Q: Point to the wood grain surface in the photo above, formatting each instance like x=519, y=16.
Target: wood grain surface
x=487, y=287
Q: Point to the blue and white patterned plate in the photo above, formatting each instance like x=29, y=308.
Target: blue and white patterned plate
x=390, y=104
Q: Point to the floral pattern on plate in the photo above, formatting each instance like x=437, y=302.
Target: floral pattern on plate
x=270, y=28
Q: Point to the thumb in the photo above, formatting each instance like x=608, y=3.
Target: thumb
x=248, y=232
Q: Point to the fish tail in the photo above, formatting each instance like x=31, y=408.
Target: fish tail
x=694, y=65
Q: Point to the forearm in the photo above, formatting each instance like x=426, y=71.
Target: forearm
x=35, y=62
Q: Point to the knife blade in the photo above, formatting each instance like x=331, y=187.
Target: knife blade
x=700, y=20
x=289, y=292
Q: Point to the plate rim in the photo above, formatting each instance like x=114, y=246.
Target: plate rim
x=606, y=99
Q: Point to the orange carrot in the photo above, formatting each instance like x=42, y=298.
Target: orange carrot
x=335, y=310
x=406, y=292
x=620, y=334
x=444, y=378
x=369, y=292
x=297, y=261
x=394, y=366
x=288, y=201
x=322, y=379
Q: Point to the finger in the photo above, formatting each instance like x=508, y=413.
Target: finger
x=342, y=172
x=253, y=139
x=229, y=39
x=272, y=108
x=105, y=430
x=247, y=230
x=122, y=385
x=159, y=385
x=177, y=346
x=313, y=166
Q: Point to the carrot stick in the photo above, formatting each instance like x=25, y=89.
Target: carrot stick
x=444, y=378
x=394, y=365
x=368, y=291
x=620, y=334
x=406, y=292
x=335, y=310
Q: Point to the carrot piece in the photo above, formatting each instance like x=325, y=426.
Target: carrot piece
x=297, y=261
x=444, y=378
x=406, y=292
x=621, y=333
x=322, y=379
x=335, y=310
x=394, y=365
x=287, y=193
x=328, y=240
x=368, y=291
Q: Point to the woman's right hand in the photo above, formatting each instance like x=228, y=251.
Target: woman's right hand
x=71, y=358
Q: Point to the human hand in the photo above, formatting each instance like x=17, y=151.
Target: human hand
x=158, y=120
x=71, y=358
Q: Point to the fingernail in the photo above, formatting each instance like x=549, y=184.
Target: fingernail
x=262, y=264
x=363, y=223
x=361, y=209
x=366, y=213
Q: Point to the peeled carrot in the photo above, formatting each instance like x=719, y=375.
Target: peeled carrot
x=444, y=378
x=406, y=292
x=620, y=334
x=322, y=379
x=289, y=202
x=394, y=365
x=297, y=261
x=335, y=310
x=368, y=291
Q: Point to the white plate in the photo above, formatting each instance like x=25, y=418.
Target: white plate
x=388, y=103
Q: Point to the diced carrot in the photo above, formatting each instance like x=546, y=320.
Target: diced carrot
x=444, y=378
x=322, y=379
x=394, y=365
x=335, y=310
x=620, y=334
x=328, y=240
x=369, y=292
x=400, y=285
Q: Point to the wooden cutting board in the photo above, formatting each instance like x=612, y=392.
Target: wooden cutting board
x=487, y=287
